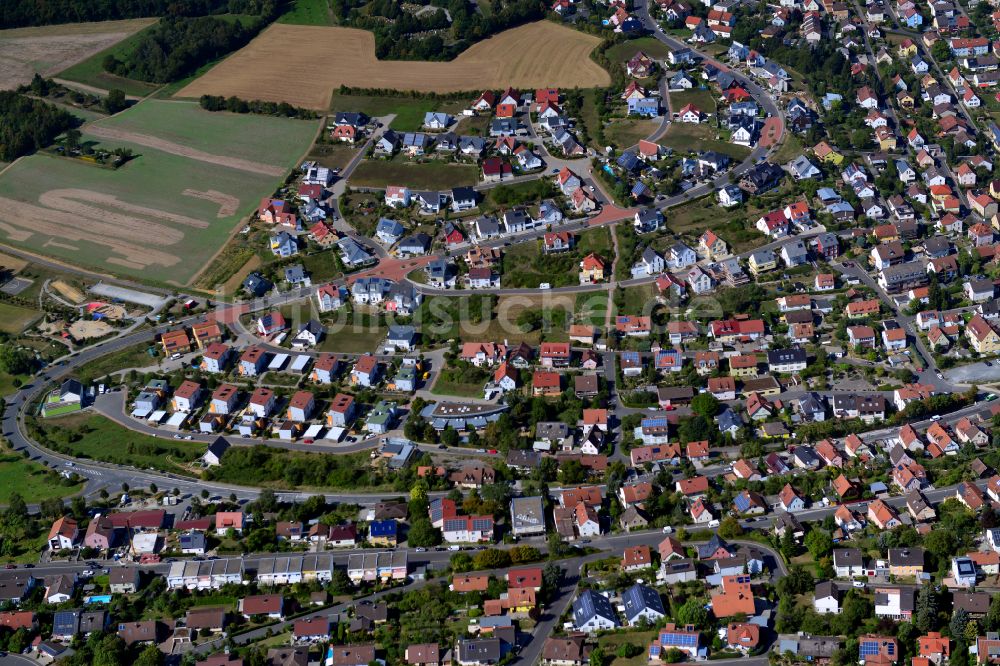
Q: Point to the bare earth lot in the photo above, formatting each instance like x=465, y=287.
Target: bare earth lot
x=533, y=55
x=50, y=49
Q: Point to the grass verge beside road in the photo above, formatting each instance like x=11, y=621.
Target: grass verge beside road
x=135, y=356
x=87, y=435
x=33, y=482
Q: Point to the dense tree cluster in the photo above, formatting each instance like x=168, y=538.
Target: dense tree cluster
x=29, y=124
x=177, y=46
x=256, y=106
x=258, y=465
x=17, y=13
x=401, y=35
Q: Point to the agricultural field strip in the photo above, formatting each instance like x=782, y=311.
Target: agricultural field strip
x=532, y=55
x=47, y=50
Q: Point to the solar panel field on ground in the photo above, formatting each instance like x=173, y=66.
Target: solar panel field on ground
x=163, y=215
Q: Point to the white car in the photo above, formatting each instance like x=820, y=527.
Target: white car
x=667, y=529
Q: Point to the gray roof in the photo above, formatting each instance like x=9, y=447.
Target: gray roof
x=847, y=557
x=590, y=605
x=639, y=598
x=66, y=623
x=551, y=430
x=399, y=332
x=527, y=512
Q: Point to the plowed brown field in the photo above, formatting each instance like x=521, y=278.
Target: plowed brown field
x=302, y=65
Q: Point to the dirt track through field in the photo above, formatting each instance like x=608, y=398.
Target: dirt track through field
x=112, y=134
x=228, y=204
x=302, y=65
x=132, y=235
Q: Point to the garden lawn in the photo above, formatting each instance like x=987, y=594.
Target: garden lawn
x=791, y=147
x=525, y=265
x=468, y=384
x=33, y=482
x=693, y=218
x=428, y=176
x=332, y=155
x=320, y=266
x=553, y=312
x=638, y=300
x=350, y=341
x=703, y=99
x=86, y=435
x=591, y=308
x=626, y=132
x=14, y=318
x=610, y=643
x=409, y=111
x=691, y=138
x=651, y=46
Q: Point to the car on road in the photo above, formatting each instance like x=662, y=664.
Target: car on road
x=987, y=364
x=442, y=446
x=307, y=441
x=189, y=437
x=936, y=417
x=555, y=170
x=492, y=452
x=859, y=584
x=177, y=436
x=10, y=566
x=419, y=549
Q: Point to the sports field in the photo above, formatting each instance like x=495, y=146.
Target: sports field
x=163, y=215
x=533, y=55
x=49, y=49
x=14, y=318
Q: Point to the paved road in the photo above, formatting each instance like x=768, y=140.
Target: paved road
x=930, y=373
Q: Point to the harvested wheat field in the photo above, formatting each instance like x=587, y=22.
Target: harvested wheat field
x=530, y=56
x=49, y=49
